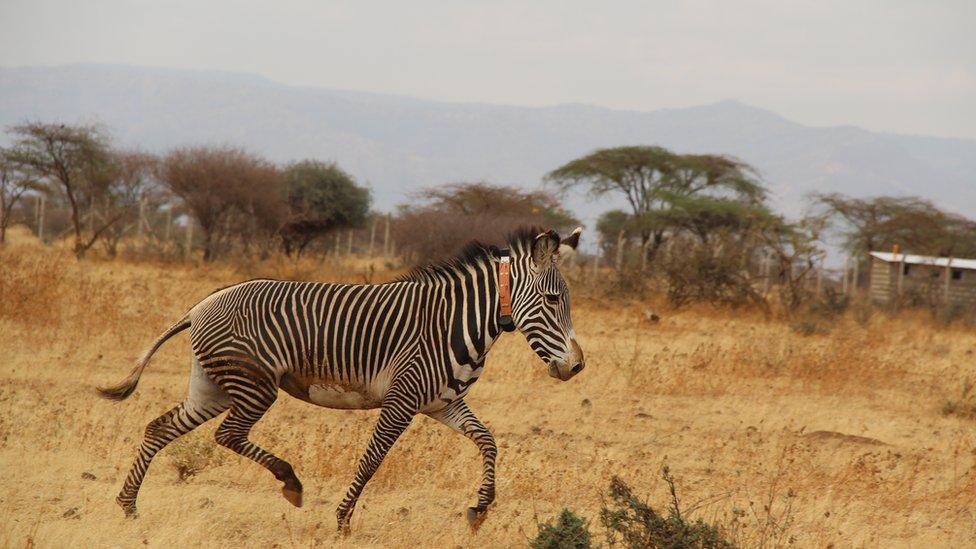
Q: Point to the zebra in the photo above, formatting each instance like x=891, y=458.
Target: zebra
x=412, y=346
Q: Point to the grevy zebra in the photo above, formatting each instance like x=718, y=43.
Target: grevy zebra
x=415, y=345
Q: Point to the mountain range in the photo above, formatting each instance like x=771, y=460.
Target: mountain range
x=401, y=144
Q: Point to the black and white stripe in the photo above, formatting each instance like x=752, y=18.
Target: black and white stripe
x=415, y=345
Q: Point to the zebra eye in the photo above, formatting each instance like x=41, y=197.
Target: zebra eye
x=552, y=298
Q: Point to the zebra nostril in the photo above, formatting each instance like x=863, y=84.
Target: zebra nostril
x=578, y=367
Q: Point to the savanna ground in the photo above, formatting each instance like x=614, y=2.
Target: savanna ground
x=838, y=439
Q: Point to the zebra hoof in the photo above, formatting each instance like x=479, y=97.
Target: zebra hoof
x=344, y=517
x=476, y=517
x=293, y=496
x=128, y=508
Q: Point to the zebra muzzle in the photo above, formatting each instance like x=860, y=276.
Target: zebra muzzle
x=561, y=371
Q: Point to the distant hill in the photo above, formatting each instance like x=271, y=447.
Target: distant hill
x=400, y=144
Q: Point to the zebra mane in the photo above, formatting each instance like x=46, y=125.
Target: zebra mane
x=474, y=253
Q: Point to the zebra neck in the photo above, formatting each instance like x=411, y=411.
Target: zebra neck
x=474, y=315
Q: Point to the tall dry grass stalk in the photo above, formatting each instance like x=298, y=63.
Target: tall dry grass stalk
x=847, y=426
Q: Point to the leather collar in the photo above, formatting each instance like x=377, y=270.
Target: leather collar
x=505, y=321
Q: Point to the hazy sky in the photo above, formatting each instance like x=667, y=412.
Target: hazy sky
x=901, y=66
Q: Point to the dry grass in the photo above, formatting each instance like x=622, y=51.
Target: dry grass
x=846, y=429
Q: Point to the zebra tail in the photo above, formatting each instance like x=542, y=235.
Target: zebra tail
x=124, y=388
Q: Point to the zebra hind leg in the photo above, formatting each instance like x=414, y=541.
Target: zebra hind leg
x=204, y=402
x=251, y=401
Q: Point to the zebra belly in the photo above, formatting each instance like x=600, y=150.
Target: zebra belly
x=331, y=393
x=337, y=396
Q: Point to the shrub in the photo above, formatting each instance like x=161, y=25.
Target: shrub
x=715, y=278
x=830, y=304
x=965, y=405
x=192, y=454
x=952, y=313
x=818, y=316
x=862, y=312
x=569, y=531
x=809, y=324
x=635, y=524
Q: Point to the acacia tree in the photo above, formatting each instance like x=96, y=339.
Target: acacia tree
x=915, y=224
x=223, y=188
x=73, y=159
x=321, y=198
x=14, y=182
x=668, y=191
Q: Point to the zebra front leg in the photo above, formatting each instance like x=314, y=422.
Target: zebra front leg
x=459, y=417
x=250, y=402
x=397, y=412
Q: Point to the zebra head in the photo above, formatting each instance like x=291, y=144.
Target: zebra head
x=540, y=302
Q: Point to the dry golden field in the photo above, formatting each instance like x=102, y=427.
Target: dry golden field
x=820, y=440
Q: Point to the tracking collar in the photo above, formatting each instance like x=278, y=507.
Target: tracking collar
x=505, y=291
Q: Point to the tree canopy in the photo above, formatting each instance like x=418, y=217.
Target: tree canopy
x=443, y=219
x=668, y=192
x=321, y=197
x=215, y=183
x=915, y=224
x=74, y=159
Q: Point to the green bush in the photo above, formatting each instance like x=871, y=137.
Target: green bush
x=635, y=524
x=569, y=532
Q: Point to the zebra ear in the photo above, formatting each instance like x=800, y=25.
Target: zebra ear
x=568, y=245
x=544, y=246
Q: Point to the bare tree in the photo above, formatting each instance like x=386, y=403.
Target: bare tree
x=226, y=190
x=445, y=218
x=131, y=190
x=14, y=182
x=915, y=224
x=73, y=159
x=794, y=251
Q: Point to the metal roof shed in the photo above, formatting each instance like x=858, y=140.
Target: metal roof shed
x=952, y=280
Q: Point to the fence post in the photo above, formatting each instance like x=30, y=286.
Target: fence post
x=40, y=217
x=819, y=279
x=142, y=217
x=620, y=250
x=843, y=276
x=596, y=260
x=169, y=224
x=765, y=267
x=372, y=237
x=189, y=236
x=901, y=272
x=948, y=276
